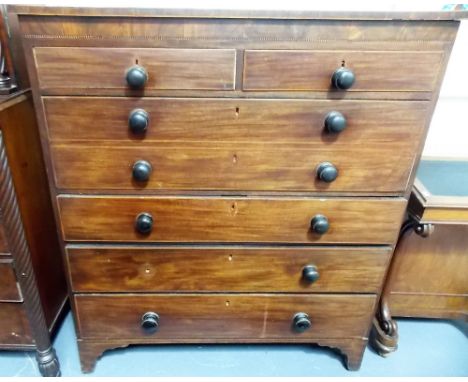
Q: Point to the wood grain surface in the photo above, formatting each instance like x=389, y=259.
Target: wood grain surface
x=91, y=119
x=313, y=70
x=224, y=219
x=204, y=69
x=14, y=330
x=9, y=289
x=226, y=269
x=239, y=167
x=232, y=316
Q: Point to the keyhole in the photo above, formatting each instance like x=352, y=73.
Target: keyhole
x=343, y=63
x=230, y=257
x=235, y=159
x=136, y=61
x=237, y=112
x=227, y=303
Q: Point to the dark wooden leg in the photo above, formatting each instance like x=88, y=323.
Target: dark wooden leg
x=48, y=363
x=91, y=351
x=353, y=353
x=351, y=349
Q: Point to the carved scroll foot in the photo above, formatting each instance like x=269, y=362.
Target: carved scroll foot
x=48, y=363
x=384, y=333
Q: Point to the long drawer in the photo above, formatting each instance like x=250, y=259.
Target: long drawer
x=232, y=167
x=226, y=269
x=229, y=219
x=223, y=316
x=235, y=120
x=9, y=289
x=63, y=70
x=375, y=71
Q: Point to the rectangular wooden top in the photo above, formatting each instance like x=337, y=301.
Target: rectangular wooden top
x=235, y=13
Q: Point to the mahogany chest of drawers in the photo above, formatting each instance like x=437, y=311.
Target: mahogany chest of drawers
x=230, y=176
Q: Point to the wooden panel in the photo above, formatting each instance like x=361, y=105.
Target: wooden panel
x=23, y=147
x=223, y=316
x=235, y=120
x=232, y=167
x=204, y=69
x=9, y=289
x=428, y=305
x=437, y=264
x=228, y=269
x=4, y=249
x=217, y=219
x=14, y=327
x=312, y=70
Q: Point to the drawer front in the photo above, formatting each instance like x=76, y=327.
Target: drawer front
x=218, y=219
x=9, y=289
x=196, y=316
x=287, y=70
x=63, y=69
x=14, y=325
x=231, y=167
x=226, y=269
x=213, y=120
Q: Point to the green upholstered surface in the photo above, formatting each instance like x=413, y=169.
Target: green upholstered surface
x=444, y=177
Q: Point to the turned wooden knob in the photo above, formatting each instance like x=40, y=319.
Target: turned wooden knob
x=150, y=322
x=136, y=77
x=343, y=78
x=310, y=273
x=144, y=223
x=319, y=224
x=301, y=322
x=138, y=121
x=141, y=171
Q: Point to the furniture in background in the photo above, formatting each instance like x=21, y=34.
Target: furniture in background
x=230, y=176
x=428, y=273
x=32, y=280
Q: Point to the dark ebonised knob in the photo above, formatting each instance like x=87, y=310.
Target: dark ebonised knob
x=343, y=78
x=301, y=322
x=136, y=77
x=327, y=172
x=141, y=171
x=319, y=224
x=144, y=223
x=138, y=121
x=335, y=122
x=310, y=273
x=150, y=322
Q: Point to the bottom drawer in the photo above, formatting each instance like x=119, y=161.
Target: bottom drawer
x=14, y=325
x=223, y=316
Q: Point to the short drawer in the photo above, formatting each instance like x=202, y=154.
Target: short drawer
x=91, y=119
x=9, y=288
x=14, y=325
x=86, y=70
x=226, y=269
x=307, y=70
x=229, y=219
x=228, y=316
x=368, y=169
